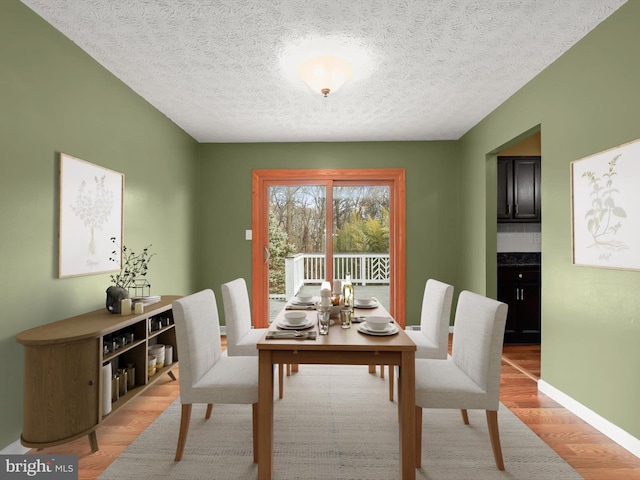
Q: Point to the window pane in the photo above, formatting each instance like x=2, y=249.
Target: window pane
x=296, y=241
x=361, y=238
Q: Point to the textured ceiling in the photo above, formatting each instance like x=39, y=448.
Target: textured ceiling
x=423, y=69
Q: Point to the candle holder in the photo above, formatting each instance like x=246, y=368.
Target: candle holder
x=140, y=288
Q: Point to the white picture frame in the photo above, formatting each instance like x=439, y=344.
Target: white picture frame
x=91, y=215
x=605, y=208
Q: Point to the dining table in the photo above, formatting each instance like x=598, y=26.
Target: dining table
x=341, y=346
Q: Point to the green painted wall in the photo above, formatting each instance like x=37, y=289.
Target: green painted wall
x=55, y=98
x=432, y=171
x=586, y=102
x=192, y=202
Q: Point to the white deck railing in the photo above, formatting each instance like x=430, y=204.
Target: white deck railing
x=309, y=268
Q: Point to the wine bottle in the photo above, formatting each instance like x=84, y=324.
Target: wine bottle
x=348, y=293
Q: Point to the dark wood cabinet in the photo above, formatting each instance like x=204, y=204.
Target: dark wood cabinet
x=518, y=189
x=519, y=287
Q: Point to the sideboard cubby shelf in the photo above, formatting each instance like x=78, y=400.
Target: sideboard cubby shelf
x=63, y=390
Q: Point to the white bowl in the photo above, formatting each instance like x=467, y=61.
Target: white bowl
x=365, y=301
x=295, y=318
x=304, y=298
x=377, y=323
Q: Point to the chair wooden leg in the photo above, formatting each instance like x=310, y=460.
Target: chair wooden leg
x=465, y=417
x=185, y=417
x=294, y=368
x=391, y=381
x=372, y=368
x=418, y=442
x=281, y=379
x=288, y=369
x=207, y=415
x=381, y=371
x=494, y=435
x=255, y=432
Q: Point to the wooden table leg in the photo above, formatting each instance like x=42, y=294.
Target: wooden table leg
x=407, y=405
x=265, y=414
x=391, y=377
x=280, y=380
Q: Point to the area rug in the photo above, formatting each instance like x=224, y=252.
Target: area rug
x=335, y=423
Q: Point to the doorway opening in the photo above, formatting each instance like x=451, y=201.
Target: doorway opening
x=519, y=239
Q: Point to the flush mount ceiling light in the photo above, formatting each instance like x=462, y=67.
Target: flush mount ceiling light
x=325, y=74
x=339, y=57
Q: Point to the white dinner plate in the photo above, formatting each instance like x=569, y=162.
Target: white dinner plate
x=296, y=301
x=390, y=330
x=371, y=305
x=301, y=326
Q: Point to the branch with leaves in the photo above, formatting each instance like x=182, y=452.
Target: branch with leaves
x=134, y=265
x=600, y=217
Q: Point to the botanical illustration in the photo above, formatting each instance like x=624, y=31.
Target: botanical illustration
x=93, y=206
x=603, y=218
x=606, y=208
x=90, y=215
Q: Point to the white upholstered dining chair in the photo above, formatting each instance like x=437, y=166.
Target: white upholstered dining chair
x=470, y=377
x=432, y=340
x=207, y=376
x=241, y=337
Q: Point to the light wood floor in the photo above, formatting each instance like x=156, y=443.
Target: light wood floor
x=592, y=454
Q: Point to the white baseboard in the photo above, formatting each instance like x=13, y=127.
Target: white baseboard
x=14, y=448
x=615, y=433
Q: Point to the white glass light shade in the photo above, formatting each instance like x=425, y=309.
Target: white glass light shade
x=325, y=74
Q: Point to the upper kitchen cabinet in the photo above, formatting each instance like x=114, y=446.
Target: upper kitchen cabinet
x=519, y=189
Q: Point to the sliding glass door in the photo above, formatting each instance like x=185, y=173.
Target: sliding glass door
x=298, y=257
x=293, y=250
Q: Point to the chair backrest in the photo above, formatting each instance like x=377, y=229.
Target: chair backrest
x=197, y=335
x=477, y=340
x=237, y=312
x=436, y=313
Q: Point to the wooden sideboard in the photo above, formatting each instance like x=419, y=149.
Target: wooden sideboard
x=63, y=391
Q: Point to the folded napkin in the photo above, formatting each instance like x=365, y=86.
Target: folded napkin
x=299, y=307
x=362, y=319
x=291, y=335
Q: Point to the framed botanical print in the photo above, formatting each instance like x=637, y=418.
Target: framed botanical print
x=91, y=208
x=605, y=207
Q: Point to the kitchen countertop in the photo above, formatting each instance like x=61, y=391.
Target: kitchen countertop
x=517, y=259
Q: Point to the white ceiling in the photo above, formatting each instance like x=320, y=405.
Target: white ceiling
x=424, y=69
